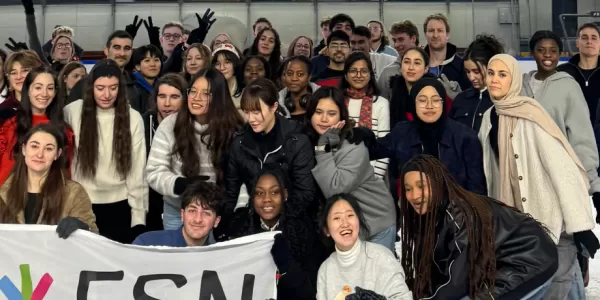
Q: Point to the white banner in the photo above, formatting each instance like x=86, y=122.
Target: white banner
x=35, y=264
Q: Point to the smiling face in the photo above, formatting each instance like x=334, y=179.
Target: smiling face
x=16, y=76
x=40, y=151
x=546, y=55
x=253, y=70
x=225, y=66
x=358, y=75
x=413, y=66
x=41, y=93
x=403, y=41
x=199, y=97
x=194, y=61
x=268, y=199
x=106, y=90
x=343, y=225
x=168, y=100
x=120, y=51
x=338, y=51
x=498, y=79
x=149, y=66
x=326, y=115
x=197, y=222
x=266, y=44
x=263, y=119
x=302, y=47
x=416, y=185
x=429, y=105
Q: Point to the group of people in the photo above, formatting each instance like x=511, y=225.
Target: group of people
x=392, y=171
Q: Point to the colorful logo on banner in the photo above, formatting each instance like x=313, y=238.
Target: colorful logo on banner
x=27, y=292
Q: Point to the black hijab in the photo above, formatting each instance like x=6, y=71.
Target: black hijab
x=430, y=133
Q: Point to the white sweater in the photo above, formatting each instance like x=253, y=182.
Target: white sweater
x=552, y=189
x=164, y=167
x=380, y=61
x=380, y=124
x=107, y=186
x=367, y=265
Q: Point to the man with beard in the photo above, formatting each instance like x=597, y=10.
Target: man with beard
x=443, y=61
x=341, y=22
x=379, y=41
x=119, y=47
x=361, y=42
x=338, y=49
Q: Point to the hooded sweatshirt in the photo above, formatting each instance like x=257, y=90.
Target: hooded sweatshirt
x=562, y=98
x=453, y=67
x=284, y=93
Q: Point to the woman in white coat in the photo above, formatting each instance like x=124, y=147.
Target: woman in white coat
x=530, y=165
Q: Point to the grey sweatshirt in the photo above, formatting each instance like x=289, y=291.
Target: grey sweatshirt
x=383, y=83
x=349, y=171
x=562, y=98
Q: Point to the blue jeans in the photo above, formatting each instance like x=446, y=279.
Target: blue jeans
x=568, y=280
x=386, y=238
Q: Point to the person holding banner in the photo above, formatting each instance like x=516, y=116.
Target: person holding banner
x=38, y=190
x=357, y=269
x=200, y=213
x=297, y=252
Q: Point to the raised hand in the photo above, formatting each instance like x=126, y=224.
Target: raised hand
x=152, y=30
x=133, y=28
x=16, y=46
x=205, y=22
x=28, y=5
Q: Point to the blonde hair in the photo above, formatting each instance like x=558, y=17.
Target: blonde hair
x=437, y=17
x=204, y=52
x=173, y=24
x=27, y=59
x=63, y=30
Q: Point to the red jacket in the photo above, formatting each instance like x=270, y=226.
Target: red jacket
x=8, y=140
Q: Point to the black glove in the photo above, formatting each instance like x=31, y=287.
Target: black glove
x=588, y=240
x=181, y=183
x=153, y=32
x=16, y=46
x=68, y=225
x=137, y=230
x=281, y=254
x=133, y=28
x=206, y=22
x=362, y=134
x=28, y=5
x=362, y=294
x=596, y=200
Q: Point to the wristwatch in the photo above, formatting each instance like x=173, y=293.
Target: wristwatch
x=324, y=148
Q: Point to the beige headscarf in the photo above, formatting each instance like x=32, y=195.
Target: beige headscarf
x=513, y=107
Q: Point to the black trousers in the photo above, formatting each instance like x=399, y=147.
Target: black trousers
x=154, y=220
x=114, y=221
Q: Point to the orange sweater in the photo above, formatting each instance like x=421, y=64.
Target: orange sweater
x=8, y=141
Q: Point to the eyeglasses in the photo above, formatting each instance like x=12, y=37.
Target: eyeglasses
x=338, y=46
x=219, y=43
x=355, y=73
x=16, y=73
x=192, y=93
x=63, y=46
x=435, y=103
x=300, y=46
x=172, y=36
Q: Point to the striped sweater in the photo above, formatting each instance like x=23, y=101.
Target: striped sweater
x=380, y=125
x=164, y=167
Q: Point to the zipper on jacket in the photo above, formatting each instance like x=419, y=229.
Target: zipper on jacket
x=476, y=108
x=267, y=155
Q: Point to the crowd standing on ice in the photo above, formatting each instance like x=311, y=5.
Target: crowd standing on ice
x=391, y=170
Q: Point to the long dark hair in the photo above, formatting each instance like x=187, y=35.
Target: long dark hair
x=353, y=201
x=482, y=49
x=223, y=121
x=235, y=62
x=371, y=88
x=53, y=190
x=3, y=56
x=62, y=91
x=275, y=57
x=338, y=97
x=88, y=152
x=419, y=232
x=24, y=118
x=247, y=60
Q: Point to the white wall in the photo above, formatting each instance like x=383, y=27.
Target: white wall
x=93, y=23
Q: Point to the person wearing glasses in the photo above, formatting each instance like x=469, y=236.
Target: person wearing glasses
x=365, y=105
x=433, y=133
x=338, y=49
x=198, y=134
x=16, y=67
x=172, y=35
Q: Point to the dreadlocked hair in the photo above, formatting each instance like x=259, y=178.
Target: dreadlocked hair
x=419, y=232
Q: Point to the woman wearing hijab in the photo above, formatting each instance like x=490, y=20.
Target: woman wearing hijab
x=432, y=132
x=530, y=165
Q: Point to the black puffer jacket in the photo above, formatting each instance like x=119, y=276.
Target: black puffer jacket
x=526, y=256
x=469, y=106
x=295, y=156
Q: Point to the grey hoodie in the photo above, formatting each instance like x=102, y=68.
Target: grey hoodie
x=349, y=171
x=562, y=98
x=284, y=92
x=383, y=83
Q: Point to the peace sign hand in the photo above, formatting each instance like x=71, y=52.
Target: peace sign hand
x=16, y=46
x=152, y=30
x=133, y=28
